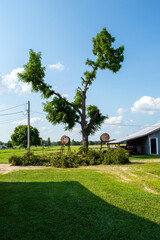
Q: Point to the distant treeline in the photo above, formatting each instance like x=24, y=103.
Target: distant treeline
x=48, y=143
x=73, y=143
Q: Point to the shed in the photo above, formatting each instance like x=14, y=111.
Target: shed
x=146, y=141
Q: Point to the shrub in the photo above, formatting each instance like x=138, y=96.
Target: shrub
x=72, y=160
x=15, y=160
x=91, y=157
x=29, y=159
x=83, y=149
x=116, y=156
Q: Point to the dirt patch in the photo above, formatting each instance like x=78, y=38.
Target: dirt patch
x=145, y=160
x=7, y=168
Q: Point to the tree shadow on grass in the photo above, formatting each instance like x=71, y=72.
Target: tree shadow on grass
x=66, y=210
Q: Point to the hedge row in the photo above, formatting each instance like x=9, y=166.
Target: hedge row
x=72, y=160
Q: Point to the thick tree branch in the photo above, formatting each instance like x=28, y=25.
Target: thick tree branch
x=80, y=89
x=83, y=79
x=87, y=82
x=68, y=103
x=78, y=122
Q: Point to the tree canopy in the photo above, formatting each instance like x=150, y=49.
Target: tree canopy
x=19, y=137
x=58, y=108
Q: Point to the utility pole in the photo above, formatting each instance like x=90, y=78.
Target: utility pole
x=28, y=135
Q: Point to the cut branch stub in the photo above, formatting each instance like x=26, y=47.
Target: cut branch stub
x=65, y=140
x=104, y=137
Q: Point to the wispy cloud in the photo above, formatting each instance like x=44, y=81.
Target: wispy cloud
x=120, y=111
x=146, y=104
x=114, y=120
x=11, y=82
x=58, y=66
x=33, y=121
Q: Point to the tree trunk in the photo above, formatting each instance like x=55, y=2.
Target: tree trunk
x=85, y=138
x=83, y=122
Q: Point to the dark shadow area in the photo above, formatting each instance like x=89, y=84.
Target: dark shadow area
x=65, y=210
x=141, y=157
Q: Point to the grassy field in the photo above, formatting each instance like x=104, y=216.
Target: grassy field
x=98, y=203
x=7, y=153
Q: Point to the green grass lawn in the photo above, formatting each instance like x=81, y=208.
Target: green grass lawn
x=98, y=203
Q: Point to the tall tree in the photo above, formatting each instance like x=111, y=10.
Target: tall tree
x=59, y=109
x=19, y=137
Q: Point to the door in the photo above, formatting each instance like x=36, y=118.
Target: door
x=153, y=146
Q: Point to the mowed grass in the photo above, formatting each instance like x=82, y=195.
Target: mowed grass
x=98, y=202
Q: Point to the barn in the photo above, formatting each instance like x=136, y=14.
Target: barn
x=146, y=141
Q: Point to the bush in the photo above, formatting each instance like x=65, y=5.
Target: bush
x=29, y=159
x=72, y=160
x=116, y=156
x=91, y=157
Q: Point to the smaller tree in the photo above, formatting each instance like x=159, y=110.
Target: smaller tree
x=19, y=137
x=48, y=142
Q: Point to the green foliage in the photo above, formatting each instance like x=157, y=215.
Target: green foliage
x=78, y=99
x=98, y=120
x=59, y=109
x=91, y=157
x=87, y=157
x=48, y=142
x=71, y=160
x=83, y=149
x=19, y=137
x=34, y=72
x=116, y=156
x=29, y=159
x=9, y=144
x=107, y=56
x=59, y=112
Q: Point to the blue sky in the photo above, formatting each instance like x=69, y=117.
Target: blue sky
x=63, y=31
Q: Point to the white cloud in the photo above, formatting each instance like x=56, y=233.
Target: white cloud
x=114, y=120
x=146, y=104
x=32, y=121
x=120, y=111
x=11, y=82
x=21, y=122
x=76, y=129
x=36, y=120
x=58, y=66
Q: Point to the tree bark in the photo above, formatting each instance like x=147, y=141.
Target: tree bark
x=85, y=138
x=83, y=125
